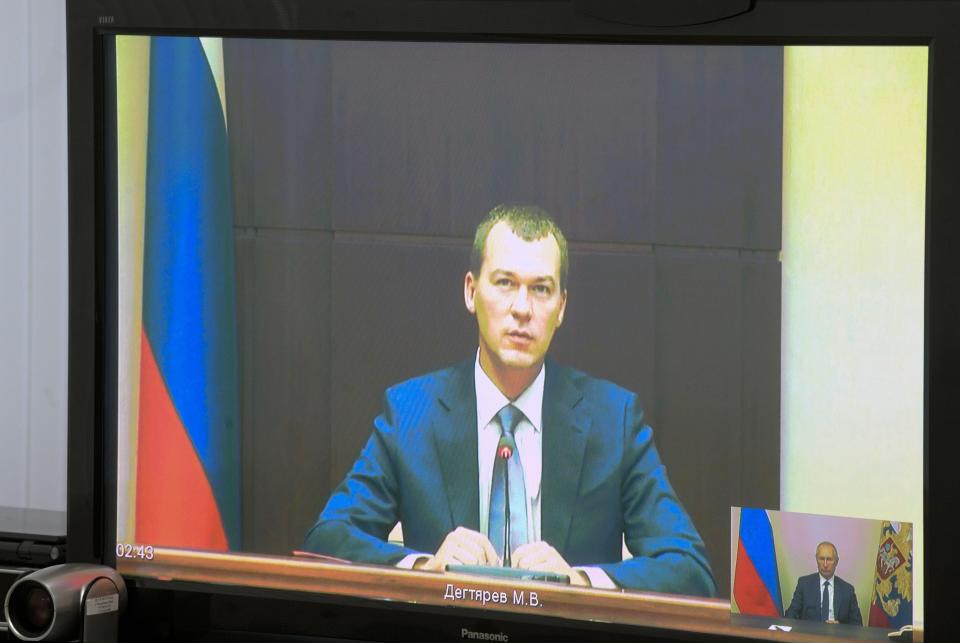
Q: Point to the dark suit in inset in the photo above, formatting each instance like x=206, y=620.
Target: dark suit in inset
x=808, y=596
x=602, y=479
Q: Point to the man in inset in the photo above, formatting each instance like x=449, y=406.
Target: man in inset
x=510, y=458
x=824, y=596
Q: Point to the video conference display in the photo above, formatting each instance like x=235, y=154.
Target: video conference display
x=523, y=326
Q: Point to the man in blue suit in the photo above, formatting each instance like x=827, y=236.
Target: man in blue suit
x=510, y=458
x=824, y=596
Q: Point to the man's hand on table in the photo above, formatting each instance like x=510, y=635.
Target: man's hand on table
x=464, y=546
x=541, y=557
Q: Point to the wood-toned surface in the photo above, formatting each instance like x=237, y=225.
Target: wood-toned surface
x=362, y=581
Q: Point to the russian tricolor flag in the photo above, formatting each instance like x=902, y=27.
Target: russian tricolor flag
x=756, y=581
x=188, y=441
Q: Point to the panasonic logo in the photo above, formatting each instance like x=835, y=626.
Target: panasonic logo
x=499, y=637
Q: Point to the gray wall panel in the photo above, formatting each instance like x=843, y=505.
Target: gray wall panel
x=278, y=115
x=441, y=133
x=249, y=376
x=610, y=325
x=33, y=255
x=398, y=312
x=719, y=153
x=286, y=382
x=15, y=263
x=760, y=415
x=699, y=360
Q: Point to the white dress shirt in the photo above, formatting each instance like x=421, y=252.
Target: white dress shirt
x=829, y=593
x=528, y=438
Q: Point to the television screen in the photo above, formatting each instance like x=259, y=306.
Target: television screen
x=614, y=332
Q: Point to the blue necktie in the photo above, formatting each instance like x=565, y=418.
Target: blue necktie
x=507, y=483
x=825, y=603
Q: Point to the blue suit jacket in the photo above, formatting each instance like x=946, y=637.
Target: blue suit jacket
x=602, y=478
x=806, y=601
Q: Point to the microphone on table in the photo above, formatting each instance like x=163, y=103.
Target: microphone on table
x=505, y=452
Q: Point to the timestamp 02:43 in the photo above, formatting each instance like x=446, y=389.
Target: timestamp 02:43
x=136, y=552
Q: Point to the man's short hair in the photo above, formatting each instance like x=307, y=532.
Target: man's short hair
x=530, y=223
x=827, y=543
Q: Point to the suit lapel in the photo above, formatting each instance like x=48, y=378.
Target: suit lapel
x=565, y=428
x=455, y=439
x=839, y=598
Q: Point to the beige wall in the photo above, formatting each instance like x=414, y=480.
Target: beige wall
x=853, y=248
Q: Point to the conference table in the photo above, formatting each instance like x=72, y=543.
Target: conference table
x=332, y=577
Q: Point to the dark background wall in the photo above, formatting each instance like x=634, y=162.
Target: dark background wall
x=361, y=171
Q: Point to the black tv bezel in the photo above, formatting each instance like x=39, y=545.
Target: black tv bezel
x=91, y=358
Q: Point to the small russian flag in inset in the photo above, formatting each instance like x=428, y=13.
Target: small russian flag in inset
x=756, y=581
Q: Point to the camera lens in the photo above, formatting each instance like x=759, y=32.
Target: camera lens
x=31, y=609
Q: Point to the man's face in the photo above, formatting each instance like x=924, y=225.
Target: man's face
x=517, y=298
x=826, y=560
